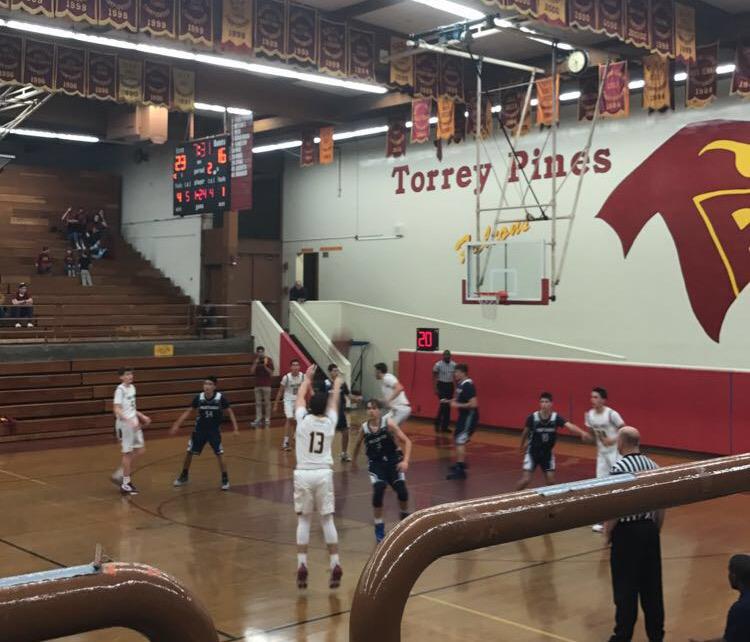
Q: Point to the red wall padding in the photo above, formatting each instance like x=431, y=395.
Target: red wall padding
x=698, y=410
x=288, y=350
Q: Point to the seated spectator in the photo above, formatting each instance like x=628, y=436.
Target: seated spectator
x=71, y=263
x=98, y=219
x=84, y=266
x=23, y=306
x=94, y=242
x=298, y=292
x=44, y=262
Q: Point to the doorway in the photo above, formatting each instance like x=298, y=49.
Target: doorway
x=310, y=274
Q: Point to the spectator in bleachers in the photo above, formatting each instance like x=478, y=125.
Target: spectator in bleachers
x=84, y=266
x=71, y=263
x=23, y=306
x=73, y=226
x=94, y=241
x=298, y=292
x=99, y=220
x=44, y=262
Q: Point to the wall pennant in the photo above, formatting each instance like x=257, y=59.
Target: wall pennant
x=270, y=29
x=70, y=71
x=302, y=35
x=332, y=39
x=701, y=82
x=237, y=25
x=119, y=14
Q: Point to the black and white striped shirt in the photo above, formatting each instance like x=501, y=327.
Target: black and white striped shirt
x=444, y=370
x=634, y=463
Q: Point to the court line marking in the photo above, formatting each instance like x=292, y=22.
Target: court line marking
x=23, y=477
x=28, y=551
x=495, y=618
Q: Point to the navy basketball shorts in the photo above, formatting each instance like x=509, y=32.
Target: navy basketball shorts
x=200, y=438
x=465, y=426
x=545, y=459
x=385, y=473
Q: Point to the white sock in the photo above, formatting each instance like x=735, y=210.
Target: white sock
x=379, y=520
x=301, y=559
x=334, y=559
x=126, y=479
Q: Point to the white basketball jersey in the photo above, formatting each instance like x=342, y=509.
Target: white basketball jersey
x=604, y=424
x=291, y=384
x=125, y=397
x=314, y=439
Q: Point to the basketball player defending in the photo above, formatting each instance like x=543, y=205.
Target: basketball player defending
x=465, y=400
x=288, y=388
x=210, y=405
x=393, y=394
x=343, y=423
x=603, y=422
x=313, y=476
x=538, y=439
x=384, y=444
x=129, y=425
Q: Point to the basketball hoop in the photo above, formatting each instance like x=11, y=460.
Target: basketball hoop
x=493, y=298
x=502, y=297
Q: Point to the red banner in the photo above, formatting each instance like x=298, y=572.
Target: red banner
x=421, y=111
x=638, y=23
x=77, y=10
x=459, y=133
x=102, y=77
x=40, y=7
x=197, y=21
x=119, y=14
x=589, y=88
x=156, y=84
x=513, y=102
x=582, y=14
x=157, y=17
x=270, y=29
x=70, y=71
x=39, y=64
x=741, y=77
x=701, y=82
x=548, y=101
x=426, y=75
x=302, y=35
x=395, y=140
x=307, y=151
x=662, y=27
x=361, y=54
x=326, y=148
x=610, y=18
x=452, y=78
x=11, y=59
x=332, y=58
x=615, y=101
x=529, y=7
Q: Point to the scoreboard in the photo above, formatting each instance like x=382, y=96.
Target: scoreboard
x=202, y=176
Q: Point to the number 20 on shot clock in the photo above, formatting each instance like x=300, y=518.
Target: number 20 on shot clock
x=428, y=339
x=201, y=176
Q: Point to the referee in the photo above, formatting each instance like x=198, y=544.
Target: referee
x=635, y=559
x=442, y=377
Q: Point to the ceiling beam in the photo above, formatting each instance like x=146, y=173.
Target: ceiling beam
x=361, y=8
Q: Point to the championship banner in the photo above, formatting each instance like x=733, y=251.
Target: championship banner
x=426, y=75
x=237, y=24
x=610, y=18
x=36, y=7
x=130, y=80
x=701, y=82
x=446, y=125
x=156, y=77
x=657, y=92
x=270, y=28
x=615, y=102
x=332, y=47
x=325, y=151
x=70, y=71
x=102, y=76
x=529, y=7
x=582, y=14
x=459, y=129
x=361, y=54
x=302, y=35
x=662, y=27
x=589, y=88
x=402, y=70
x=553, y=12
x=307, y=151
x=77, y=10
x=395, y=139
x=421, y=111
x=684, y=19
x=241, y=150
x=157, y=17
x=196, y=21
x=638, y=23
x=11, y=59
x=183, y=89
x=741, y=76
x=451, y=83
x=513, y=101
x=548, y=100
x=119, y=14
x=39, y=64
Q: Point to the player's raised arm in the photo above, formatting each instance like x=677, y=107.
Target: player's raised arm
x=333, y=398
x=404, y=443
x=304, y=389
x=180, y=420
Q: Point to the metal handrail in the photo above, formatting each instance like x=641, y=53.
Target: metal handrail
x=430, y=534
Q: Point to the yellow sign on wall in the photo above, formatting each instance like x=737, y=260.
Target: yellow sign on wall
x=163, y=350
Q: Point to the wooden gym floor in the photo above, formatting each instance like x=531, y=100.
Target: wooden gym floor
x=236, y=549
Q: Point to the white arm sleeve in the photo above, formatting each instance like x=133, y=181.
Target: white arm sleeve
x=300, y=413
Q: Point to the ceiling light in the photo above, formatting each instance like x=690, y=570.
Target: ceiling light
x=570, y=95
x=290, y=144
x=206, y=107
x=725, y=69
x=478, y=35
x=207, y=59
x=502, y=23
x=239, y=111
x=455, y=8
x=495, y=110
x=560, y=45
x=39, y=133
x=357, y=133
x=680, y=76
x=636, y=84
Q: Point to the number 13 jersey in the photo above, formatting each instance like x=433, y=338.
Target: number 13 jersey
x=314, y=439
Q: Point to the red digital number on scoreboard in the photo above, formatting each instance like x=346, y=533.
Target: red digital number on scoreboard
x=428, y=339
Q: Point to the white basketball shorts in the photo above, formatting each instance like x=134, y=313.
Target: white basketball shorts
x=313, y=492
x=289, y=408
x=130, y=438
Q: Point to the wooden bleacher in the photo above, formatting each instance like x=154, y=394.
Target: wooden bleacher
x=70, y=402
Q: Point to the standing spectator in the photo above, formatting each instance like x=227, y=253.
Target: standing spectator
x=298, y=292
x=262, y=370
x=71, y=264
x=635, y=558
x=466, y=402
x=84, y=265
x=442, y=377
x=23, y=306
x=44, y=262
x=738, y=618
x=73, y=221
x=99, y=220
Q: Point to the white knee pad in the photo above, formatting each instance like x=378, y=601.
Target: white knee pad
x=329, y=529
x=303, y=530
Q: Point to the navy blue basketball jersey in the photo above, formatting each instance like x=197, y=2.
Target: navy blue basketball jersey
x=380, y=446
x=210, y=411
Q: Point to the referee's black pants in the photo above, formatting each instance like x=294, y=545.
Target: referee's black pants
x=635, y=562
x=443, y=419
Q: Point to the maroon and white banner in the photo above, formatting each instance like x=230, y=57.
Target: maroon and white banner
x=701, y=82
x=741, y=77
x=307, y=150
x=302, y=35
x=615, y=101
x=589, y=88
x=332, y=58
x=70, y=71
x=610, y=18
x=395, y=141
x=529, y=7
x=102, y=76
x=426, y=75
x=451, y=78
x=39, y=64
x=197, y=21
x=242, y=162
x=156, y=83
x=513, y=101
x=582, y=14
x=362, y=54
x=77, y=10
x=638, y=23
x=459, y=130
x=421, y=111
x=157, y=17
x=662, y=27
x=119, y=14
x=553, y=12
x=36, y=7
x=11, y=59
x=270, y=29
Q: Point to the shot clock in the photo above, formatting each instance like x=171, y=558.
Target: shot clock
x=428, y=339
x=202, y=176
